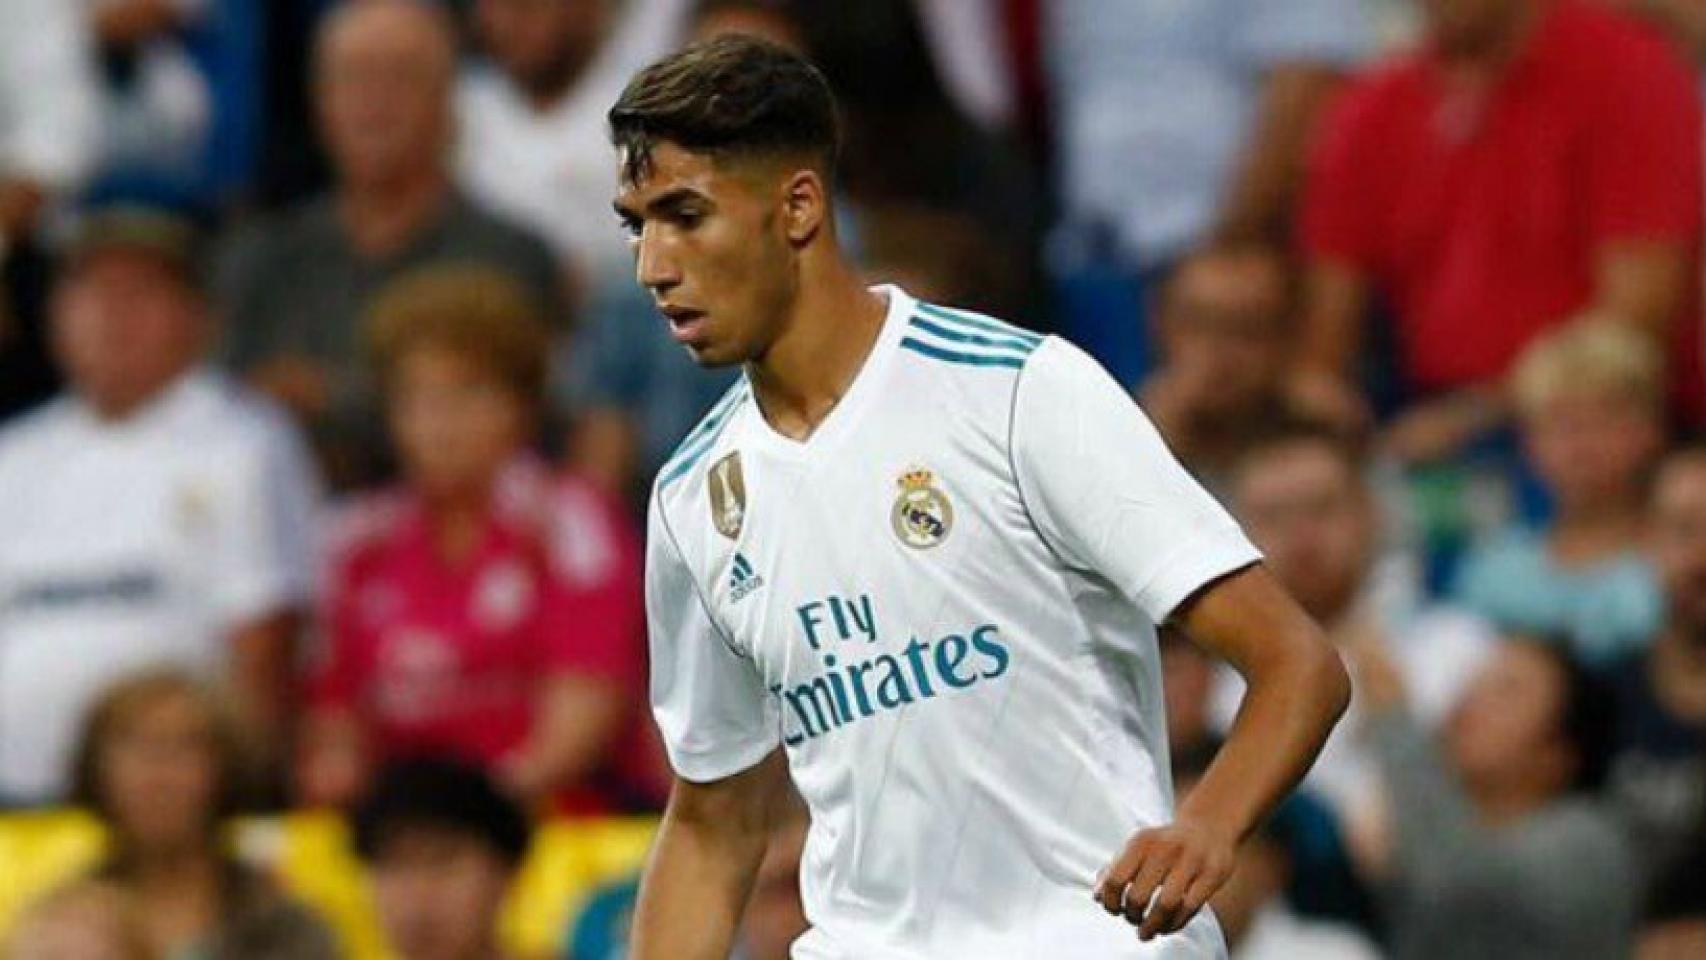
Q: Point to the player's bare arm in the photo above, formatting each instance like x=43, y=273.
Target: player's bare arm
x=701, y=869
x=1298, y=688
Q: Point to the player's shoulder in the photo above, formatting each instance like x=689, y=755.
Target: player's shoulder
x=961, y=343
x=680, y=474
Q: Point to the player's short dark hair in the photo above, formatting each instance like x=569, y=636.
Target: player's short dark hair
x=443, y=795
x=730, y=96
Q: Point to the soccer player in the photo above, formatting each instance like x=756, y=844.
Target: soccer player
x=921, y=554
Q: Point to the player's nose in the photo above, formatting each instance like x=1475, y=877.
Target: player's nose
x=654, y=268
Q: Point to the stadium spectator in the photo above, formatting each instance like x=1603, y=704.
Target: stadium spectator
x=1673, y=926
x=1659, y=774
x=1208, y=110
x=1306, y=499
x=878, y=57
x=443, y=846
x=293, y=287
x=85, y=921
x=48, y=132
x=1590, y=402
x=1224, y=323
x=160, y=764
x=1684, y=20
x=181, y=111
x=1181, y=124
x=771, y=20
x=48, y=109
x=1497, y=847
x=1531, y=160
x=532, y=140
x=485, y=609
x=154, y=513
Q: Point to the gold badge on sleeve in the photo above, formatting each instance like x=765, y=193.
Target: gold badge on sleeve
x=727, y=486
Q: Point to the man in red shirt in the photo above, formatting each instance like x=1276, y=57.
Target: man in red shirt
x=1533, y=159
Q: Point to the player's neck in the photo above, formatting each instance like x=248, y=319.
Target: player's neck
x=829, y=334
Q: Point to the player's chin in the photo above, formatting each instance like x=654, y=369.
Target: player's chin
x=712, y=354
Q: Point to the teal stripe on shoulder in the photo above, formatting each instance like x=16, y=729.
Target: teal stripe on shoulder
x=703, y=437
x=974, y=322
x=709, y=421
x=954, y=356
x=972, y=339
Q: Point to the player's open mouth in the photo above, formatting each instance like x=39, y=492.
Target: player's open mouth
x=684, y=323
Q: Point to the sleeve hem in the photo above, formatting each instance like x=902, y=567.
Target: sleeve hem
x=1191, y=566
x=711, y=766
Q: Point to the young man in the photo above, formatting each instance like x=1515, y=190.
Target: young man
x=924, y=552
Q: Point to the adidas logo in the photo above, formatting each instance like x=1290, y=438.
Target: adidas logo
x=742, y=579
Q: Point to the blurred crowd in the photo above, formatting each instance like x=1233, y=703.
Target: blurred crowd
x=328, y=407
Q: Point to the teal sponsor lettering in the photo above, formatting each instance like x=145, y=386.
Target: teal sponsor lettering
x=846, y=690
x=915, y=656
x=951, y=651
x=983, y=638
x=892, y=690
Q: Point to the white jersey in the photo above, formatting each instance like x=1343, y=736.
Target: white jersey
x=942, y=604
x=135, y=544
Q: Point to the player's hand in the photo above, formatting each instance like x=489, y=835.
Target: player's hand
x=1178, y=867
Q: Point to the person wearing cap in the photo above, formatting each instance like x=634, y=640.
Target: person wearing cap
x=153, y=514
x=442, y=845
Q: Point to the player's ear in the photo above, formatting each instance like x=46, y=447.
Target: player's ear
x=805, y=205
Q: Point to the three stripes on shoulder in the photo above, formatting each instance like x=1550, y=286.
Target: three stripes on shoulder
x=940, y=333
x=954, y=336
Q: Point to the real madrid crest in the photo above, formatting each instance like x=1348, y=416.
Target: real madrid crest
x=727, y=487
x=922, y=515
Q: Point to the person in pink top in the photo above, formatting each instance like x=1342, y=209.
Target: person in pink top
x=489, y=608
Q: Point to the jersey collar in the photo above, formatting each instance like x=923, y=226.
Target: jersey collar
x=865, y=388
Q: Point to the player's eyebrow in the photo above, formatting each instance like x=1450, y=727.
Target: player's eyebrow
x=672, y=200
x=662, y=205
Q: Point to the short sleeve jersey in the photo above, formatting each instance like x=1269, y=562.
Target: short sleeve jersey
x=942, y=605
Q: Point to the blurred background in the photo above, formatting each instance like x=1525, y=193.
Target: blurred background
x=328, y=406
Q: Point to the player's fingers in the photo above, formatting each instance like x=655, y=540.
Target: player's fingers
x=1204, y=887
x=1154, y=869
x=1161, y=917
x=1111, y=883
